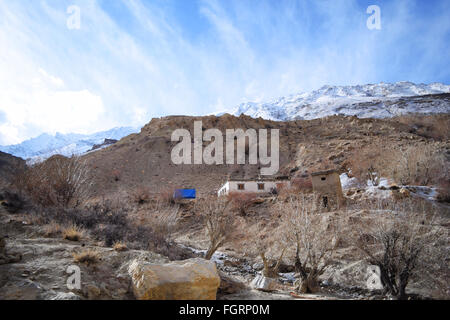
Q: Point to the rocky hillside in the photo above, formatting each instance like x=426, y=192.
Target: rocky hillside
x=9, y=165
x=143, y=159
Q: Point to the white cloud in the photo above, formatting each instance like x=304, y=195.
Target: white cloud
x=46, y=106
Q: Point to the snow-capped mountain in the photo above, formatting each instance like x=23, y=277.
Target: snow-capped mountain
x=365, y=101
x=46, y=145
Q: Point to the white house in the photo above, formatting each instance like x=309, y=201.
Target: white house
x=249, y=185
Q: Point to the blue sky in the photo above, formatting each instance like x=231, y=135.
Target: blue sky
x=132, y=60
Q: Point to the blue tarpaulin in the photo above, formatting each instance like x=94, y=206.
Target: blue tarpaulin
x=184, y=194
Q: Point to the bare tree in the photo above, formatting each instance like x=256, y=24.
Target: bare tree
x=219, y=222
x=367, y=165
x=58, y=181
x=423, y=165
x=405, y=242
x=315, y=237
x=270, y=246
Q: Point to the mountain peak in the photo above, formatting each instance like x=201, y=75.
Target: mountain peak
x=370, y=100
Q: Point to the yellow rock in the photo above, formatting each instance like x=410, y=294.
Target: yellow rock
x=192, y=279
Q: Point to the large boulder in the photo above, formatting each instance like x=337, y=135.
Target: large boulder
x=192, y=279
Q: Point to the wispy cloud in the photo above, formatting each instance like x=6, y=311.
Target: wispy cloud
x=133, y=60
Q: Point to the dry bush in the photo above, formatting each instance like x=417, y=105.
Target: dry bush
x=120, y=246
x=368, y=165
x=165, y=196
x=314, y=236
x=73, y=233
x=58, y=181
x=116, y=175
x=141, y=195
x=428, y=126
x=302, y=184
x=163, y=224
x=421, y=165
x=219, y=222
x=13, y=200
x=406, y=243
x=270, y=246
x=444, y=192
x=241, y=201
x=89, y=256
x=53, y=229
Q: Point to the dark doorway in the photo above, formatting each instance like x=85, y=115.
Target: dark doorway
x=325, y=202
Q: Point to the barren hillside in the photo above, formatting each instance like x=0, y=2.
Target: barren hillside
x=143, y=159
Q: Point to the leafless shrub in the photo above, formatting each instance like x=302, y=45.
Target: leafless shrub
x=141, y=195
x=241, y=201
x=418, y=165
x=163, y=223
x=166, y=197
x=405, y=242
x=368, y=165
x=219, y=222
x=302, y=184
x=270, y=247
x=315, y=237
x=444, y=192
x=58, y=181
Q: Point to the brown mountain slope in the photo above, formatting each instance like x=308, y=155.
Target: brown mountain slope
x=9, y=166
x=143, y=159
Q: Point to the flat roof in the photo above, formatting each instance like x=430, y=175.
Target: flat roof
x=259, y=179
x=319, y=173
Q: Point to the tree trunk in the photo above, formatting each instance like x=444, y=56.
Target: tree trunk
x=308, y=285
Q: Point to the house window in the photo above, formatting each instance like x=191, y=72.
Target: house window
x=241, y=186
x=323, y=178
x=260, y=186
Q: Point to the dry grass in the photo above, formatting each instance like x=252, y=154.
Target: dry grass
x=120, y=246
x=73, y=233
x=52, y=229
x=89, y=256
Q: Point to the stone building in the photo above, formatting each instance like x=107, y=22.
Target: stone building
x=327, y=185
x=253, y=185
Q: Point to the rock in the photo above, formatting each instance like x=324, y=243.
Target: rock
x=373, y=281
x=192, y=279
x=401, y=194
x=230, y=285
x=66, y=296
x=258, y=266
x=93, y=292
x=264, y=283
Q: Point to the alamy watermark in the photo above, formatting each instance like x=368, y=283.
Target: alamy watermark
x=74, y=18
x=74, y=280
x=374, y=21
x=213, y=153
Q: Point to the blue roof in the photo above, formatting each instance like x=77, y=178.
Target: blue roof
x=184, y=194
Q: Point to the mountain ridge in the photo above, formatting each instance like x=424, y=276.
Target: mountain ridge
x=380, y=100
x=46, y=145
